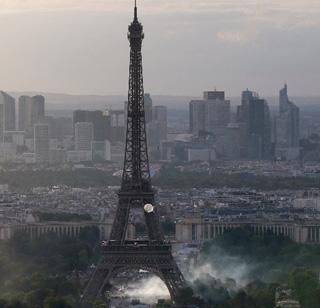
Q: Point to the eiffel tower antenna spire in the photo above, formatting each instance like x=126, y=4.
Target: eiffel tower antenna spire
x=135, y=10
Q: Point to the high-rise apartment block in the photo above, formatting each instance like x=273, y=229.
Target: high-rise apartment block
x=83, y=136
x=254, y=114
x=31, y=110
x=41, y=142
x=209, y=114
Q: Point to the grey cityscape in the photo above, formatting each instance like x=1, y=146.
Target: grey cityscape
x=157, y=199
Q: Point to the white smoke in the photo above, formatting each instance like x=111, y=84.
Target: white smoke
x=233, y=273
x=222, y=267
x=148, y=290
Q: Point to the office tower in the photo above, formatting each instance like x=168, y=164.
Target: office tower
x=41, y=142
x=83, y=136
x=118, y=125
x=101, y=122
x=214, y=95
x=254, y=113
x=9, y=112
x=2, y=130
x=287, y=123
x=209, y=114
x=197, y=117
x=148, y=107
x=31, y=110
x=160, y=116
x=48, y=120
x=62, y=127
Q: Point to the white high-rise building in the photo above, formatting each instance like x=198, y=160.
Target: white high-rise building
x=83, y=136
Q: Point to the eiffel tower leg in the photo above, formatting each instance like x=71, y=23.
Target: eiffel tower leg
x=153, y=226
x=174, y=280
x=119, y=228
x=97, y=284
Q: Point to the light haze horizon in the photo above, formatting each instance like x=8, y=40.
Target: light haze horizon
x=81, y=48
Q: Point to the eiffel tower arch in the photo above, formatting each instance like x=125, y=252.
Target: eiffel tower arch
x=119, y=254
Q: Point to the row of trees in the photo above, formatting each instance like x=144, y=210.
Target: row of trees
x=169, y=177
x=266, y=263
x=44, y=273
x=172, y=178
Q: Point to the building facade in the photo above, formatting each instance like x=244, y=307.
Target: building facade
x=148, y=107
x=287, y=125
x=199, y=230
x=101, y=122
x=84, y=136
x=254, y=115
x=8, y=114
x=41, y=142
x=209, y=114
x=31, y=110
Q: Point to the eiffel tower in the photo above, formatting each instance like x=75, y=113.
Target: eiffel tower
x=119, y=254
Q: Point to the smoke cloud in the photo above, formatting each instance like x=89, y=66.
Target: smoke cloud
x=223, y=267
x=148, y=290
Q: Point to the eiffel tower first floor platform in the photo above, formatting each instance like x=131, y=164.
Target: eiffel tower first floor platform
x=116, y=258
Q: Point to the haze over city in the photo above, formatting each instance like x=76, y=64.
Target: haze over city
x=80, y=47
x=159, y=154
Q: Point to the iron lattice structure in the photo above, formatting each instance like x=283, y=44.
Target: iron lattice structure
x=119, y=254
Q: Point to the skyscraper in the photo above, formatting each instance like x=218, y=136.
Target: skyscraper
x=101, y=122
x=209, y=114
x=31, y=110
x=118, y=125
x=288, y=122
x=9, y=114
x=254, y=113
x=148, y=107
x=41, y=142
x=83, y=136
x=160, y=116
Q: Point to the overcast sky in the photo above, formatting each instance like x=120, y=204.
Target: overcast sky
x=80, y=46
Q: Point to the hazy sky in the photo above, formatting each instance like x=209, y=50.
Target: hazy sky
x=80, y=46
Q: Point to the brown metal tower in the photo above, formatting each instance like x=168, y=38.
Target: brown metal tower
x=119, y=254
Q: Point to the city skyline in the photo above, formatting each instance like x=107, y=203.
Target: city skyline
x=66, y=47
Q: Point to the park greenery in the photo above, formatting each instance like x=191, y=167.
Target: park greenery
x=168, y=178
x=263, y=263
x=173, y=178
x=45, y=273
x=66, y=217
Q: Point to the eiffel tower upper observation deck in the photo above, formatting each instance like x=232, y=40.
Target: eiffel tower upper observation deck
x=119, y=254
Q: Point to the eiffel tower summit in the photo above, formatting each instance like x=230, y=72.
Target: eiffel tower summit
x=119, y=254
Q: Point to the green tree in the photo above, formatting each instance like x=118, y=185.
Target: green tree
x=56, y=302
